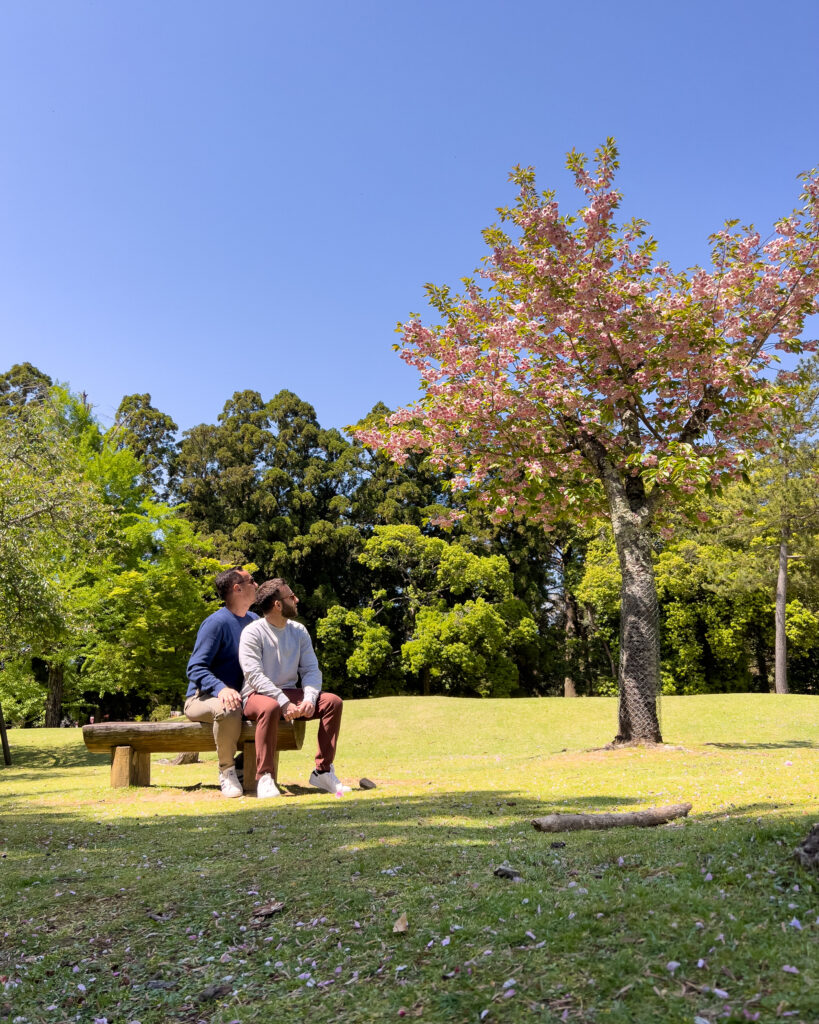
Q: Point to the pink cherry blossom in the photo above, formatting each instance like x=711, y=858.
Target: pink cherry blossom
x=579, y=375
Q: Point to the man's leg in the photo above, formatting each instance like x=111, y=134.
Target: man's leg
x=328, y=713
x=265, y=712
x=226, y=726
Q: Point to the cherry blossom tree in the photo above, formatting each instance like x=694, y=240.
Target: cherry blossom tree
x=579, y=375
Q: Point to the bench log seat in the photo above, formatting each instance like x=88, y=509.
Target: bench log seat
x=130, y=745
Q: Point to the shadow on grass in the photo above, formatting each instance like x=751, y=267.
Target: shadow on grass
x=745, y=810
x=175, y=898
x=373, y=841
x=75, y=756
x=782, y=745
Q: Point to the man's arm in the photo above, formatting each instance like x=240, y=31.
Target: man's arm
x=208, y=643
x=309, y=672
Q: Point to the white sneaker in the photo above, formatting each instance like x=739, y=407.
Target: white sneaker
x=229, y=783
x=328, y=781
x=266, y=787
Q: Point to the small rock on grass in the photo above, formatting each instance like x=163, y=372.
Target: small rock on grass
x=366, y=783
x=213, y=992
x=807, y=852
x=510, y=873
x=269, y=908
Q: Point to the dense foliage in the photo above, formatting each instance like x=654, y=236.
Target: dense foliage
x=105, y=583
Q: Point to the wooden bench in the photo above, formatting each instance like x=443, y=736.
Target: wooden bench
x=130, y=745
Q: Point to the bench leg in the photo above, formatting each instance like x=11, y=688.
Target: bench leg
x=249, y=752
x=130, y=767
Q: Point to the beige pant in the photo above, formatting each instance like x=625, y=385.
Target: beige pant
x=226, y=725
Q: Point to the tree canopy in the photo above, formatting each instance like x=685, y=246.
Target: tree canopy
x=579, y=375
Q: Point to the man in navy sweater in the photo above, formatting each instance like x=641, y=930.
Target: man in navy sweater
x=214, y=673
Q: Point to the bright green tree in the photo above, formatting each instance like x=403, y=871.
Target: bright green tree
x=103, y=588
x=52, y=519
x=427, y=592
x=143, y=604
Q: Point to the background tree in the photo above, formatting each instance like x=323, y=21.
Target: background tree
x=357, y=653
x=111, y=477
x=788, y=477
x=759, y=539
x=389, y=494
x=23, y=385
x=100, y=586
x=144, y=602
x=589, y=378
x=447, y=617
x=50, y=513
x=151, y=436
x=469, y=650
x=270, y=486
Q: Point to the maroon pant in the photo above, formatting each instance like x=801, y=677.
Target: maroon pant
x=265, y=712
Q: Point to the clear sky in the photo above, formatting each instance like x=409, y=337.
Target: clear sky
x=198, y=197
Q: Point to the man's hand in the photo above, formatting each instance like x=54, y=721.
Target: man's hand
x=304, y=709
x=230, y=699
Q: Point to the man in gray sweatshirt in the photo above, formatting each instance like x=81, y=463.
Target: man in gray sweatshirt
x=282, y=679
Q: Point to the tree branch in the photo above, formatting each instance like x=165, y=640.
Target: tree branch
x=648, y=818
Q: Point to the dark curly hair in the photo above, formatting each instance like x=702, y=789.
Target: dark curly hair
x=268, y=593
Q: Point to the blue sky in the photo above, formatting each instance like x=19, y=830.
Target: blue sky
x=198, y=197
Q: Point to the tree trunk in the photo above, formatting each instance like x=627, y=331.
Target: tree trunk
x=54, y=698
x=188, y=757
x=4, y=738
x=607, y=649
x=589, y=609
x=781, y=645
x=425, y=681
x=570, y=629
x=639, y=669
x=761, y=661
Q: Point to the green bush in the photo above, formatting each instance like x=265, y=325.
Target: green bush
x=161, y=713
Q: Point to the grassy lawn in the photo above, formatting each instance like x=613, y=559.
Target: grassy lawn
x=141, y=905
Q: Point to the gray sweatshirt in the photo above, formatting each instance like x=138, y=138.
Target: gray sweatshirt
x=274, y=659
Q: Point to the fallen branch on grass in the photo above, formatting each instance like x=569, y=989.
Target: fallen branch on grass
x=629, y=819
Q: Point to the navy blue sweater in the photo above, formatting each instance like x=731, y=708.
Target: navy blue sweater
x=214, y=663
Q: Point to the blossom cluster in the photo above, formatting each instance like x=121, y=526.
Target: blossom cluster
x=579, y=354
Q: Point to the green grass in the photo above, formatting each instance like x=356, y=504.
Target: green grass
x=138, y=905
